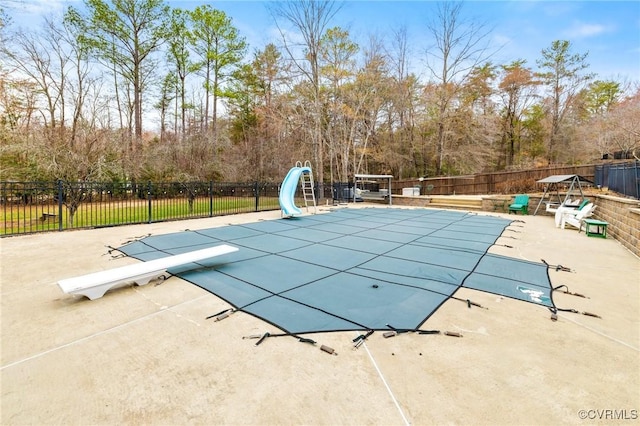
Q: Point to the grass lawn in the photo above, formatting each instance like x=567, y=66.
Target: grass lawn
x=27, y=218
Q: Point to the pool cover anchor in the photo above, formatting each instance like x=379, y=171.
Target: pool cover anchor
x=221, y=315
x=554, y=313
x=469, y=302
x=261, y=339
x=252, y=336
x=111, y=249
x=557, y=267
x=566, y=291
x=504, y=245
x=358, y=341
x=328, y=350
x=395, y=331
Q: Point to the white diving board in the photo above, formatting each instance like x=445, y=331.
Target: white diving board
x=96, y=284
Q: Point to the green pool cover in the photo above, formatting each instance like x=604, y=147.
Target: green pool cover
x=353, y=269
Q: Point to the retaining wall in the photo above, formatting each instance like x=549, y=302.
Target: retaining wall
x=622, y=214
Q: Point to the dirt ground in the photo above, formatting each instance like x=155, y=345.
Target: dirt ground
x=147, y=355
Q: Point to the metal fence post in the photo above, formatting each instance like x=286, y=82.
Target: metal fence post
x=149, y=201
x=210, y=198
x=256, y=193
x=60, y=228
x=636, y=178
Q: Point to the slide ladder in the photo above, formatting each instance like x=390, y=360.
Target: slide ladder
x=306, y=181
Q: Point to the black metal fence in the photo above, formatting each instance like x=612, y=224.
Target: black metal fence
x=620, y=177
x=29, y=207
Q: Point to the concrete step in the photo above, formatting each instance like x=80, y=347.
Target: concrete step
x=455, y=202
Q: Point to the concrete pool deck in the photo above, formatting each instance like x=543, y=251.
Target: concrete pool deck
x=146, y=355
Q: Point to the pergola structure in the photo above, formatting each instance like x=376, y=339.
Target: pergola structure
x=361, y=178
x=552, y=188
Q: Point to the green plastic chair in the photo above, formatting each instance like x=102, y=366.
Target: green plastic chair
x=520, y=204
x=584, y=203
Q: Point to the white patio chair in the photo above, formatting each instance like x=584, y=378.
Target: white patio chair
x=569, y=209
x=575, y=218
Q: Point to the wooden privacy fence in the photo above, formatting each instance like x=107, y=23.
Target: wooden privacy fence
x=491, y=183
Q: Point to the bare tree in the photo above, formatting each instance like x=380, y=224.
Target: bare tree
x=371, y=93
x=5, y=21
x=517, y=93
x=255, y=111
x=338, y=67
x=34, y=55
x=311, y=18
x=402, y=115
x=400, y=65
x=623, y=126
x=80, y=80
x=57, y=65
x=459, y=47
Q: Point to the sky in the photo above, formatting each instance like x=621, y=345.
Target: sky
x=609, y=31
